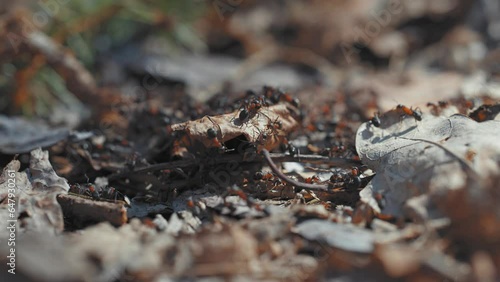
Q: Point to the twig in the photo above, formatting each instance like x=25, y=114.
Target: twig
x=319, y=187
x=313, y=159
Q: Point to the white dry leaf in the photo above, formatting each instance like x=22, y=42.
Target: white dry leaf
x=37, y=208
x=43, y=175
x=343, y=236
x=418, y=158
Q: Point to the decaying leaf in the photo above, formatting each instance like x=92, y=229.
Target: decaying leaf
x=227, y=250
x=414, y=158
x=36, y=205
x=266, y=128
x=476, y=223
x=21, y=136
x=43, y=175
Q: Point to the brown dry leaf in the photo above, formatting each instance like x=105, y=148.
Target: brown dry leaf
x=475, y=214
x=223, y=250
x=265, y=128
x=397, y=264
x=395, y=260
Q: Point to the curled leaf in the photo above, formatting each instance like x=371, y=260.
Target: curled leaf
x=266, y=128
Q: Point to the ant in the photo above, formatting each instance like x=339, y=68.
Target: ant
x=212, y=134
x=87, y=190
x=338, y=148
x=292, y=150
x=410, y=112
x=375, y=120
x=355, y=180
x=338, y=177
x=275, y=125
x=261, y=176
x=272, y=94
x=313, y=179
x=349, y=180
x=288, y=98
x=93, y=192
x=436, y=109
x=286, y=146
x=485, y=112
x=251, y=108
x=277, y=95
x=90, y=190
x=272, y=130
x=235, y=190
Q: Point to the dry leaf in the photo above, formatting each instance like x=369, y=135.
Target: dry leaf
x=21, y=136
x=414, y=158
x=342, y=236
x=36, y=206
x=266, y=128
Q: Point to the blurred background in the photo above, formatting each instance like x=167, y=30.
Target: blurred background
x=107, y=66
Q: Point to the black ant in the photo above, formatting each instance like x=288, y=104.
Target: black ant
x=410, y=112
x=354, y=181
x=485, y=112
x=338, y=148
x=87, y=190
x=272, y=94
x=338, y=177
x=235, y=190
x=211, y=133
x=288, y=98
x=313, y=179
x=251, y=93
x=292, y=150
x=277, y=95
x=349, y=180
x=375, y=120
x=261, y=176
x=90, y=190
x=443, y=104
x=251, y=108
x=243, y=114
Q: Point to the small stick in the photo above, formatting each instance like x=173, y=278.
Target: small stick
x=267, y=157
x=313, y=159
